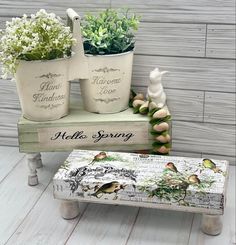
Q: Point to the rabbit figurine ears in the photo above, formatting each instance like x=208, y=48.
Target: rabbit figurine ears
x=156, y=74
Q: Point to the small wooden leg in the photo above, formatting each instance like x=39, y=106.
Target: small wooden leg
x=69, y=209
x=39, y=163
x=211, y=224
x=32, y=159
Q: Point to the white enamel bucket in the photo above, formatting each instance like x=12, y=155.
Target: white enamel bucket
x=43, y=88
x=105, y=80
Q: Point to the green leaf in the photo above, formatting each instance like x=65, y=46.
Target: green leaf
x=30, y=56
x=150, y=114
x=154, y=121
x=159, y=144
x=136, y=110
x=112, y=30
x=155, y=133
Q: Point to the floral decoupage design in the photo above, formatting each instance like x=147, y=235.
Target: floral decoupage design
x=98, y=176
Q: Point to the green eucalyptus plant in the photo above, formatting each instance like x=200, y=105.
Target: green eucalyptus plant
x=111, y=32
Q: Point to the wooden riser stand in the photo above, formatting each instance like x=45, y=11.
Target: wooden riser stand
x=141, y=180
x=124, y=131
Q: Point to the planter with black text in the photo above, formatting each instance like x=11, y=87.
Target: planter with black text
x=108, y=88
x=37, y=51
x=106, y=59
x=43, y=88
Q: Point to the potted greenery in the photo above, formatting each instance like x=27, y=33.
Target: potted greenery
x=108, y=41
x=37, y=51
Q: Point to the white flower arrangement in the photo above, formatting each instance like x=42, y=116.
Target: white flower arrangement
x=42, y=36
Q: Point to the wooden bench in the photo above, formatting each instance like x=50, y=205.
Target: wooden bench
x=123, y=131
x=162, y=182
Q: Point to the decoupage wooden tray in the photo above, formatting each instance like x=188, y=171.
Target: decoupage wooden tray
x=179, y=183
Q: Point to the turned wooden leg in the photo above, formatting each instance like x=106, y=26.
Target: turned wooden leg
x=39, y=163
x=32, y=159
x=211, y=224
x=69, y=209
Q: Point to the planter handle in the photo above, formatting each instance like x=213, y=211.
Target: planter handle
x=78, y=66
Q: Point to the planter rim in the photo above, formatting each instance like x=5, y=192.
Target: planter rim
x=109, y=55
x=44, y=61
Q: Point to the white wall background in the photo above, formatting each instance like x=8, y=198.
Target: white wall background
x=194, y=40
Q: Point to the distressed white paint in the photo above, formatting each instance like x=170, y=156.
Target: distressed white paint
x=38, y=221
x=69, y=209
x=228, y=235
x=82, y=177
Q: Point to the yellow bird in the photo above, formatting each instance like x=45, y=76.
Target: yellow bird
x=109, y=188
x=208, y=163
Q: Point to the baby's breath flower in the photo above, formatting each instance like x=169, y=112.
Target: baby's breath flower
x=43, y=36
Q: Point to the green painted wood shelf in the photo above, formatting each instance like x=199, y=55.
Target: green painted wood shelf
x=122, y=131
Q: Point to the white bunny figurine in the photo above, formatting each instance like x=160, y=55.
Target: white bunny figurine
x=155, y=90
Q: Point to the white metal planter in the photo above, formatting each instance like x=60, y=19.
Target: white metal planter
x=43, y=89
x=108, y=87
x=105, y=80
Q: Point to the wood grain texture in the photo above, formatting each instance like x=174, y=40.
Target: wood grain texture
x=165, y=38
x=48, y=227
x=109, y=224
x=221, y=41
x=185, y=154
x=164, y=227
x=8, y=131
x=171, y=39
x=9, y=97
x=184, y=105
x=187, y=73
x=203, y=137
x=220, y=108
x=9, y=116
x=18, y=8
x=8, y=141
x=10, y=157
x=3, y=21
x=16, y=206
x=202, y=11
x=228, y=233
